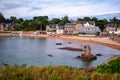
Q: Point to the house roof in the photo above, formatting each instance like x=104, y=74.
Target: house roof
x=89, y=29
x=111, y=25
x=52, y=26
x=3, y=24
x=90, y=22
x=70, y=25
x=10, y=24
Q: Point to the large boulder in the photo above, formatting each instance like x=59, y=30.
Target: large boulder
x=86, y=55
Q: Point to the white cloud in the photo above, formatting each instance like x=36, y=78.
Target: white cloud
x=59, y=8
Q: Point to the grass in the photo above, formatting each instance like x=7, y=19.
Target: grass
x=58, y=73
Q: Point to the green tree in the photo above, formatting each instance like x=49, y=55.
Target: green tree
x=41, y=22
x=2, y=18
x=64, y=20
x=114, y=20
x=54, y=21
x=87, y=19
x=13, y=19
x=102, y=23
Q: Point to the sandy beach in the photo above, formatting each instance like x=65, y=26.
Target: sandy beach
x=95, y=40
x=106, y=41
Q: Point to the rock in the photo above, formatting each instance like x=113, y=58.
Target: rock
x=89, y=69
x=50, y=55
x=86, y=55
x=58, y=43
x=69, y=42
x=71, y=49
x=78, y=57
x=98, y=54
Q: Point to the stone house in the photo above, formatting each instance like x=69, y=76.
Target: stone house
x=7, y=26
x=72, y=28
x=111, y=28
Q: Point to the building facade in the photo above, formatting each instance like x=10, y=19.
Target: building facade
x=89, y=28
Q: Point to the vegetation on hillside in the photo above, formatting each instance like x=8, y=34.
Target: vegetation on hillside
x=112, y=67
x=40, y=22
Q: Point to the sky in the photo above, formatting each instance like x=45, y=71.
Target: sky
x=58, y=8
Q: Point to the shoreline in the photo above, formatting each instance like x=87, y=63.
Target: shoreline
x=106, y=41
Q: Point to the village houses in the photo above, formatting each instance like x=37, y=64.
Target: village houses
x=7, y=26
x=79, y=28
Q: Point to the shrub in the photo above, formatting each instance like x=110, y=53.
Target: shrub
x=112, y=67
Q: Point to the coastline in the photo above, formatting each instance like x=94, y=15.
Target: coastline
x=106, y=41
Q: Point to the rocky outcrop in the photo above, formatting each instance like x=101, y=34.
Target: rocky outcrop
x=89, y=69
x=86, y=55
x=50, y=55
x=72, y=49
x=99, y=54
x=58, y=43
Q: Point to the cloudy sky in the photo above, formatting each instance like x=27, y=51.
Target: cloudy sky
x=58, y=8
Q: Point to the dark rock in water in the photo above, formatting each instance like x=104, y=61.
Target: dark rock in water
x=71, y=49
x=50, y=55
x=58, y=43
x=86, y=55
x=69, y=42
x=78, y=57
x=98, y=54
x=89, y=69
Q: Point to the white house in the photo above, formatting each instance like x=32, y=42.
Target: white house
x=88, y=23
x=60, y=30
x=89, y=28
x=118, y=31
x=51, y=28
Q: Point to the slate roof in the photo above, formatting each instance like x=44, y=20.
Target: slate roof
x=111, y=25
x=70, y=25
x=3, y=24
x=84, y=22
x=52, y=26
x=89, y=30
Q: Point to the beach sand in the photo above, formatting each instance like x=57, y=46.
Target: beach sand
x=95, y=40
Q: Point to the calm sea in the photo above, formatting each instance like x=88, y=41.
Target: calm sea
x=34, y=51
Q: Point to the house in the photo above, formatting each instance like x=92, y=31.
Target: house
x=118, y=31
x=2, y=26
x=72, y=28
x=88, y=23
x=7, y=26
x=89, y=28
x=60, y=30
x=51, y=28
x=111, y=28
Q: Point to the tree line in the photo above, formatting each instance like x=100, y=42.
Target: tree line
x=40, y=22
